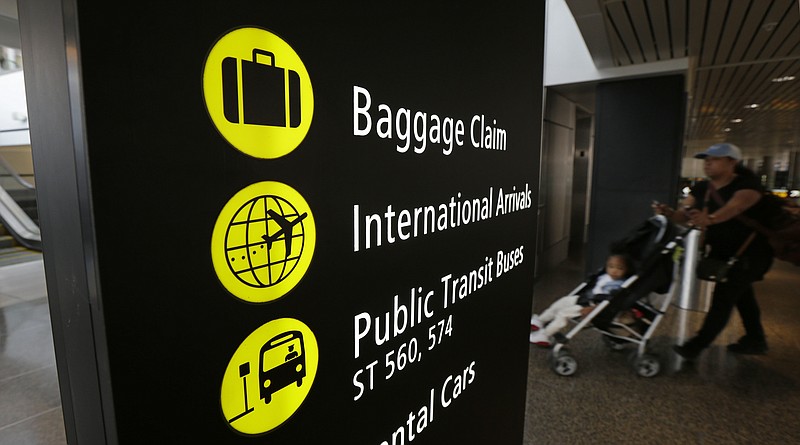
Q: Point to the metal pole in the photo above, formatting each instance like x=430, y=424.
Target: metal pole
x=689, y=296
x=695, y=294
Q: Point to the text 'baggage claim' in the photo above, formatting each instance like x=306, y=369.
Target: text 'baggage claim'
x=423, y=127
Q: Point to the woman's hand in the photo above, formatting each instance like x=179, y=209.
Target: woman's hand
x=699, y=219
x=662, y=209
x=678, y=216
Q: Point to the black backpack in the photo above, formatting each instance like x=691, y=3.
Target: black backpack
x=782, y=227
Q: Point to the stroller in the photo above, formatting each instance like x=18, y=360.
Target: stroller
x=653, y=247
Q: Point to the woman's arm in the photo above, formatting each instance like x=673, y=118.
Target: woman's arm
x=680, y=215
x=739, y=202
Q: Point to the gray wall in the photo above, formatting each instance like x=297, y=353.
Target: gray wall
x=555, y=189
x=47, y=27
x=639, y=133
x=584, y=142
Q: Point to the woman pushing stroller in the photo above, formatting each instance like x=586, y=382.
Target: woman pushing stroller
x=722, y=207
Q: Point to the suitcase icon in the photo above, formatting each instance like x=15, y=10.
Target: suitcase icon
x=263, y=92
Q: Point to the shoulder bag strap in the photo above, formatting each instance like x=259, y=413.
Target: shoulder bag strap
x=702, y=243
x=750, y=222
x=755, y=225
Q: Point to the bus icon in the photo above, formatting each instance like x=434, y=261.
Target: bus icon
x=282, y=362
x=269, y=376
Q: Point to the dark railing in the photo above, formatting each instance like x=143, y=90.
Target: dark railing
x=18, y=207
x=7, y=171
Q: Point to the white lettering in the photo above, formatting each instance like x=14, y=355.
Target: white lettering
x=420, y=128
x=359, y=111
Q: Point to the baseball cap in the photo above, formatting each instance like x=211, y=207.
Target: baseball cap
x=720, y=151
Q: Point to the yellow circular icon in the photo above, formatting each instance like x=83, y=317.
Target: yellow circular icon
x=263, y=241
x=269, y=376
x=258, y=92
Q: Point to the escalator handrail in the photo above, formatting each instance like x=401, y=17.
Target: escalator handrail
x=15, y=175
x=18, y=223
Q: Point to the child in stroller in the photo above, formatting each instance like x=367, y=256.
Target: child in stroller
x=630, y=314
x=544, y=326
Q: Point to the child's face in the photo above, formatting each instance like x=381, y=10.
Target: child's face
x=616, y=268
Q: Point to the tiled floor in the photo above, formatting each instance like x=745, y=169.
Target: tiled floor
x=30, y=405
x=721, y=399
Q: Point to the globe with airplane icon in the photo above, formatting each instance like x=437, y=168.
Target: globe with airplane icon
x=264, y=240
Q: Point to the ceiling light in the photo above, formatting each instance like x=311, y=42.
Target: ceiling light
x=783, y=79
x=726, y=129
x=751, y=106
x=736, y=121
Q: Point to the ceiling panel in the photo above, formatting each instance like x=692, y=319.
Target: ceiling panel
x=639, y=17
x=730, y=35
x=618, y=18
x=712, y=31
x=659, y=20
x=778, y=18
x=679, y=26
x=696, y=22
x=737, y=48
x=754, y=18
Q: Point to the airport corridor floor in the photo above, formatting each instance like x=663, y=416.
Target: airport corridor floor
x=720, y=398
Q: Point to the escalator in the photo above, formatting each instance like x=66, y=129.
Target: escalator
x=18, y=212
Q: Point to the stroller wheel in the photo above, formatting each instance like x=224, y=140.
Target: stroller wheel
x=613, y=343
x=647, y=365
x=563, y=363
